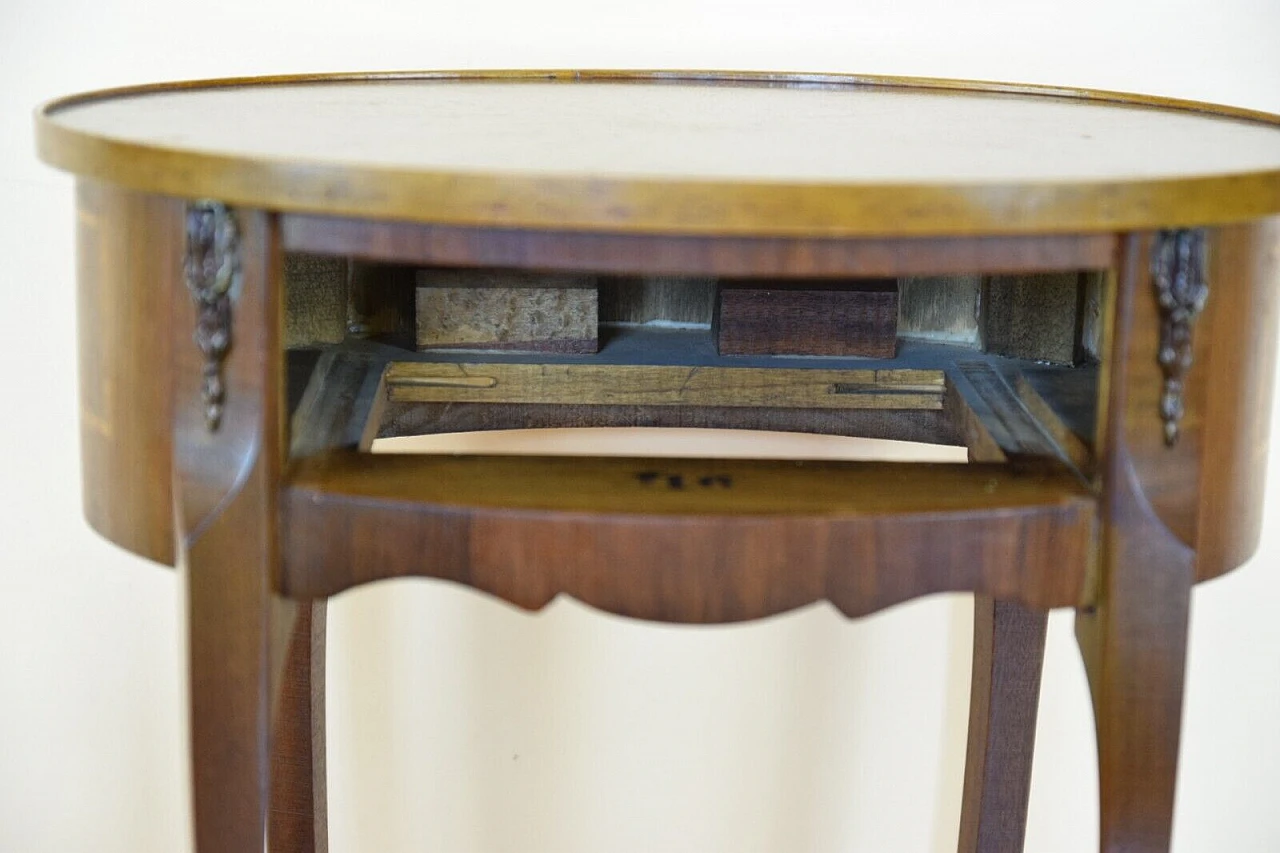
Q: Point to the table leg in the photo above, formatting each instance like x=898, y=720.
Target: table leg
x=1134, y=647
x=298, y=789
x=238, y=639
x=1008, y=654
x=228, y=456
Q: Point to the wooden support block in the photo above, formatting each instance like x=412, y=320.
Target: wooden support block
x=848, y=319
x=315, y=294
x=1033, y=316
x=506, y=311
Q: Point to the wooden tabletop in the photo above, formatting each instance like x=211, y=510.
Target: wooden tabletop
x=680, y=152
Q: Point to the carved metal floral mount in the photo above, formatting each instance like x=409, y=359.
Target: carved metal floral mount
x=212, y=270
x=1178, y=275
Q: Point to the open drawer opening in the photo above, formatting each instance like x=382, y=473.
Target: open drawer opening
x=997, y=367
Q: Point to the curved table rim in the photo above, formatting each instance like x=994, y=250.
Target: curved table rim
x=668, y=206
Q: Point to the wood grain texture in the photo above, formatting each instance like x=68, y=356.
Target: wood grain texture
x=341, y=405
x=1239, y=330
x=1004, y=697
x=1133, y=641
x=859, y=319
x=678, y=540
x=316, y=295
x=687, y=540
x=636, y=254
x=129, y=250
x=997, y=425
x=1134, y=648
x=227, y=481
x=945, y=309
x=502, y=310
x=926, y=425
x=660, y=385
x=380, y=304
x=1063, y=404
x=503, y=150
x=337, y=410
x=1008, y=656
x=298, y=820
x=1032, y=317
x=1169, y=476
x=663, y=299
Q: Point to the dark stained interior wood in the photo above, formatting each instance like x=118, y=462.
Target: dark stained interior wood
x=930, y=426
x=858, y=318
x=1033, y=317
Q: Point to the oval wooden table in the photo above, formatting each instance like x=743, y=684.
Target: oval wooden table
x=1080, y=287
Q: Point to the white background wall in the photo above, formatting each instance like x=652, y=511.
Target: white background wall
x=460, y=724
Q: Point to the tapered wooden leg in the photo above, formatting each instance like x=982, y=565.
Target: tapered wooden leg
x=1008, y=655
x=1134, y=647
x=1134, y=640
x=298, y=807
x=237, y=641
x=228, y=457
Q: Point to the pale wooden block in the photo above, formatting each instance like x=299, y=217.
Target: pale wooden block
x=506, y=311
x=942, y=309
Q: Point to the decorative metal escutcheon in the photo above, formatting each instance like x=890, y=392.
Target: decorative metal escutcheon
x=1178, y=276
x=212, y=270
